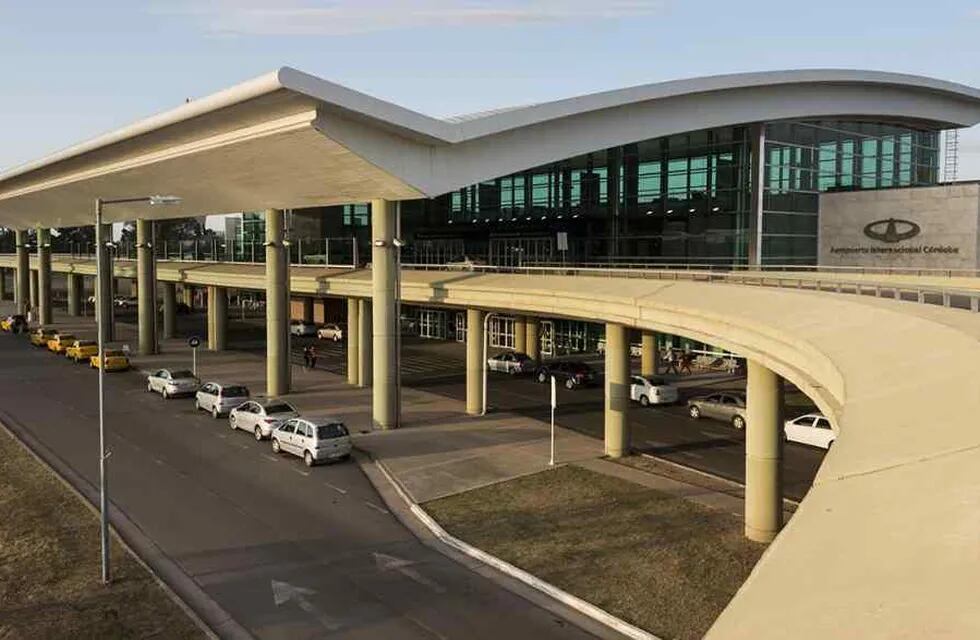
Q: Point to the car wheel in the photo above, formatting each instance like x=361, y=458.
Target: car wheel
x=308, y=459
x=738, y=422
x=829, y=445
x=542, y=376
x=214, y=412
x=694, y=412
x=197, y=404
x=275, y=446
x=149, y=387
x=166, y=395
x=513, y=372
x=645, y=401
x=336, y=338
x=232, y=422
x=569, y=384
x=258, y=434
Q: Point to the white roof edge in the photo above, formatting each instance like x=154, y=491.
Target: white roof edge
x=495, y=121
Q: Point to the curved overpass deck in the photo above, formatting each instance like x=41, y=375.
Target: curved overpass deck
x=886, y=541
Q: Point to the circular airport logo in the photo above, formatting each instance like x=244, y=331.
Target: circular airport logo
x=194, y=342
x=891, y=230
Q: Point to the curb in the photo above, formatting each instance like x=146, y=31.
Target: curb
x=204, y=612
x=575, y=603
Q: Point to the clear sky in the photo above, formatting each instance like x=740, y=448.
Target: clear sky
x=72, y=70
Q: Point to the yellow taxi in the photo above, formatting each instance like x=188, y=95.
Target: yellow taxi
x=13, y=324
x=60, y=342
x=82, y=350
x=115, y=360
x=40, y=337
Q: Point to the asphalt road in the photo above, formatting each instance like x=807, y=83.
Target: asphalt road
x=245, y=524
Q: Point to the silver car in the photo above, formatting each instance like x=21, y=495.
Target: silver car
x=728, y=407
x=218, y=398
x=169, y=383
x=261, y=417
x=513, y=363
x=313, y=439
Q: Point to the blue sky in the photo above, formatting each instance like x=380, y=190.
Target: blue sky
x=73, y=70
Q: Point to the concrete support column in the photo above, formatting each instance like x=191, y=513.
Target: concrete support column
x=384, y=304
x=34, y=291
x=353, y=336
x=217, y=318
x=617, y=390
x=146, y=288
x=104, y=289
x=763, y=453
x=474, y=361
x=365, y=343
x=520, y=333
x=533, y=341
x=169, y=310
x=307, y=309
x=22, y=279
x=276, y=305
x=45, y=312
x=76, y=288
x=650, y=356
x=187, y=296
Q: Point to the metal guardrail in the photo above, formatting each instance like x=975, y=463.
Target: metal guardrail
x=952, y=297
x=726, y=267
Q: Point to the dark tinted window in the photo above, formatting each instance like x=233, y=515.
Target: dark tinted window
x=327, y=431
x=280, y=407
x=182, y=374
x=237, y=391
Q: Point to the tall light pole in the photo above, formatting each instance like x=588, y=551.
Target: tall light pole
x=486, y=339
x=101, y=245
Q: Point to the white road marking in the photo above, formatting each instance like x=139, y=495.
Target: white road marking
x=283, y=592
x=221, y=435
x=300, y=471
x=270, y=457
x=386, y=562
x=376, y=508
x=336, y=488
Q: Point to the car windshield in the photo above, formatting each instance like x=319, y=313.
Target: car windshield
x=114, y=354
x=181, y=374
x=236, y=391
x=279, y=407
x=656, y=382
x=334, y=430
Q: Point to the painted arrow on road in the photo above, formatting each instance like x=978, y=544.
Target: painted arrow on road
x=283, y=592
x=404, y=567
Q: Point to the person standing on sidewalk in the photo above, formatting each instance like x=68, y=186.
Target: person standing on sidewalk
x=306, y=357
x=312, y=357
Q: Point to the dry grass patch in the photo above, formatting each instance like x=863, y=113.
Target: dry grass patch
x=49, y=566
x=662, y=563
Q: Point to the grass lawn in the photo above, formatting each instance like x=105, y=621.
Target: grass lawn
x=49, y=566
x=662, y=563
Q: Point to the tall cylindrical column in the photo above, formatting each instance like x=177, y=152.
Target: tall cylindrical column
x=276, y=305
x=35, y=301
x=353, y=339
x=474, y=361
x=520, y=333
x=146, y=288
x=217, y=318
x=75, y=290
x=763, y=453
x=307, y=309
x=384, y=302
x=365, y=343
x=45, y=312
x=22, y=281
x=617, y=390
x=187, y=296
x=533, y=341
x=169, y=310
x=650, y=356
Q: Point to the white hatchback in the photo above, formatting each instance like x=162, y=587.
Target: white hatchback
x=261, y=417
x=330, y=332
x=813, y=429
x=652, y=390
x=313, y=439
x=219, y=399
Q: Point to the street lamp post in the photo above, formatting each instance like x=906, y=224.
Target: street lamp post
x=100, y=244
x=486, y=339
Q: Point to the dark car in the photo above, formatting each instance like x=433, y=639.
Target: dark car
x=574, y=374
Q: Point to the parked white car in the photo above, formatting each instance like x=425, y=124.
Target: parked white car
x=513, y=363
x=302, y=328
x=812, y=429
x=652, y=390
x=218, y=399
x=169, y=383
x=261, y=417
x=330, y=332
x=313, y=439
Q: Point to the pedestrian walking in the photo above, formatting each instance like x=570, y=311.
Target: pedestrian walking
x=670, y=363
x=687, y=358
x=313, y=356
x=30, y=315
x=306, y=357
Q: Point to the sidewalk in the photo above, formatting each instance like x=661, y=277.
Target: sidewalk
x=439, y=451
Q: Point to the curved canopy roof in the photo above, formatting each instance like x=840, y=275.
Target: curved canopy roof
x=288, y=139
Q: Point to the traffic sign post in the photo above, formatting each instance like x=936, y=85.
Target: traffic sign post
x=194, y=342
x=554, y=404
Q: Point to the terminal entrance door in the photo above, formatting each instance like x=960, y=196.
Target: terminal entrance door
x=460, y=326
x=432, y=324
x=502, y=332
x=547, y=338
